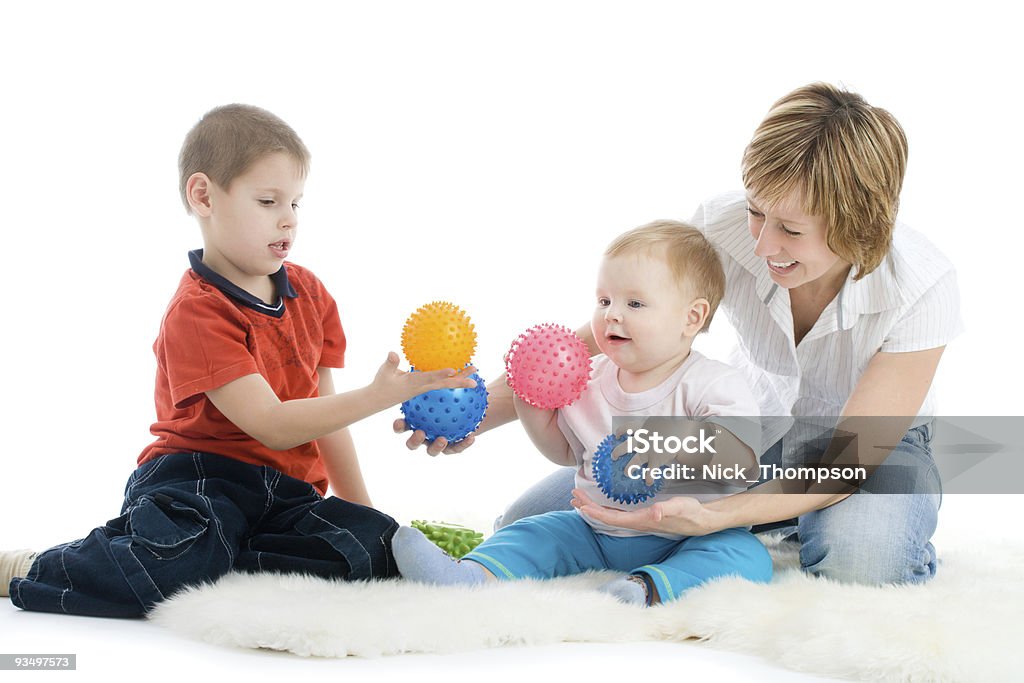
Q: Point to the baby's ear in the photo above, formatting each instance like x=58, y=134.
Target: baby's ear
x=197, y=191
x=697, y=316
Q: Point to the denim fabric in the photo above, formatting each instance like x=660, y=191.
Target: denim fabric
x=191, y=517
x=563, y=544
x=878, y=536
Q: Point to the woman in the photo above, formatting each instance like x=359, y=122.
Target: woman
x=838, y=314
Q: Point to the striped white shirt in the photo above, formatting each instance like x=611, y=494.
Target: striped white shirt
x=909, y=303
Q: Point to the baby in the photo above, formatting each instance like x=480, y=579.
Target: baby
x=657, y=288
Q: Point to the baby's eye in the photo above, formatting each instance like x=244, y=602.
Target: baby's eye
x=633, y=303
x=603, y=301
x=266, y=202
x=295, y=206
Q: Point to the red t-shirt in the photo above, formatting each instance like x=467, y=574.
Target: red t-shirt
x=207, y=340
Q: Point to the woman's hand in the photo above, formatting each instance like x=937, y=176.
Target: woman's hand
x=680, y=515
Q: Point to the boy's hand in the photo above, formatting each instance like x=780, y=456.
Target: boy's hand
x=438, y=445
x=396, y=386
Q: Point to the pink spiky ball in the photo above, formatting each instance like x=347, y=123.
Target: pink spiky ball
x=548, y=366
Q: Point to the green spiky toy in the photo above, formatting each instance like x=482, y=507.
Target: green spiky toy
x=454, y=539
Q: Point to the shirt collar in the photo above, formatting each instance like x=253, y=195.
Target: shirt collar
x=877, y=291
x=280, y=279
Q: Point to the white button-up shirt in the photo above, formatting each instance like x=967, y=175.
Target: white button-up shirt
x=909, y=303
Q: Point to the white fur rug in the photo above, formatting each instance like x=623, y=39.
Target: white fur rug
x=964, y=625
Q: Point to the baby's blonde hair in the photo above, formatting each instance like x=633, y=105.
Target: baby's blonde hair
x=228, y=140
x=689, y=255
x=845, y=158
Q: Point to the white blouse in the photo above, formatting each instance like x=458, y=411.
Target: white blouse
x=909, y=303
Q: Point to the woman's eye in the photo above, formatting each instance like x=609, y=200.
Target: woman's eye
x=755, y=214
x=789, y=232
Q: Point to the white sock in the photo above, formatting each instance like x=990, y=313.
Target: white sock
x=420, y=560
x=628, y=589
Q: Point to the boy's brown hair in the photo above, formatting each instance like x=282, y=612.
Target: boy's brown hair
x=689, y=255
x=230, y=139
x=845, y=158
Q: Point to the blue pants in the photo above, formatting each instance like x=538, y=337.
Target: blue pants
x=871, y=538
x=562, y=544
x=192, y=517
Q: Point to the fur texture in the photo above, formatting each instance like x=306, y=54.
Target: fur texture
x=963, y=625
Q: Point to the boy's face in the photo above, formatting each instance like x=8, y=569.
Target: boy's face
x=640, y=321
x=251, y=226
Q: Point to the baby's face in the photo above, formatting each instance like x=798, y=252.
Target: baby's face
x=640, y=318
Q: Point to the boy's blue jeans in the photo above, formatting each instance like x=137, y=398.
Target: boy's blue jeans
x=191, y=517
x=868, y=538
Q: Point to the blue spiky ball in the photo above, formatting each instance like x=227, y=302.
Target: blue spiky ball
x=451, y=413
x=611, y=478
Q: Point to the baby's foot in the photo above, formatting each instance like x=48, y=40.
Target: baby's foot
x=631, y=590
x=421, y=561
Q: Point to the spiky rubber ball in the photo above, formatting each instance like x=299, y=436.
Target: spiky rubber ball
x=454, y=539
x=611, y=477
x=437, y=336
x=548, y=366
x=451, y=413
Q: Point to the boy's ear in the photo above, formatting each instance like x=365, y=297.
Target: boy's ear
x=197, y=191
x=697, y=316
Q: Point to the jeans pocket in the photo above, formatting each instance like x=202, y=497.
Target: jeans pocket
x=165, y=527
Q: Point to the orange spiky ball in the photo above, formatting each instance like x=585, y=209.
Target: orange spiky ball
x=438, y=335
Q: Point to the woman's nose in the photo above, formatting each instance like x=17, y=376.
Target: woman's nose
x=766, y=245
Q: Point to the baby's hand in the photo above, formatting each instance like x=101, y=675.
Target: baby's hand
x=657, y=457
x=395, y=386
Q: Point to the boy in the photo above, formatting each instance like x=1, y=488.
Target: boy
x=658, y=287
x=249, y=429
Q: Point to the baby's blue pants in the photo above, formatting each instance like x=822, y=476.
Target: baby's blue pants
x=562, y=544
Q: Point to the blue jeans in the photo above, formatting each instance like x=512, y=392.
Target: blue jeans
x=867, y=538
x=191, y=517
x=563, y=544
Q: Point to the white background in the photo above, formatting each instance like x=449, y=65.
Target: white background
x=477, y=152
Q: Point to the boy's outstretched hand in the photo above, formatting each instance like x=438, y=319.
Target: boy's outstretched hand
x=395, y=385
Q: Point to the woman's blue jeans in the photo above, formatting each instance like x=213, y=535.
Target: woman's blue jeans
x=189, y=518
x=867, y=538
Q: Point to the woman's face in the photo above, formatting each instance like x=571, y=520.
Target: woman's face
x=791, y=242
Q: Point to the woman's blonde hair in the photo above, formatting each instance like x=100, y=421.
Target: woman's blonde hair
x=845, y=158
x=690, y=256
